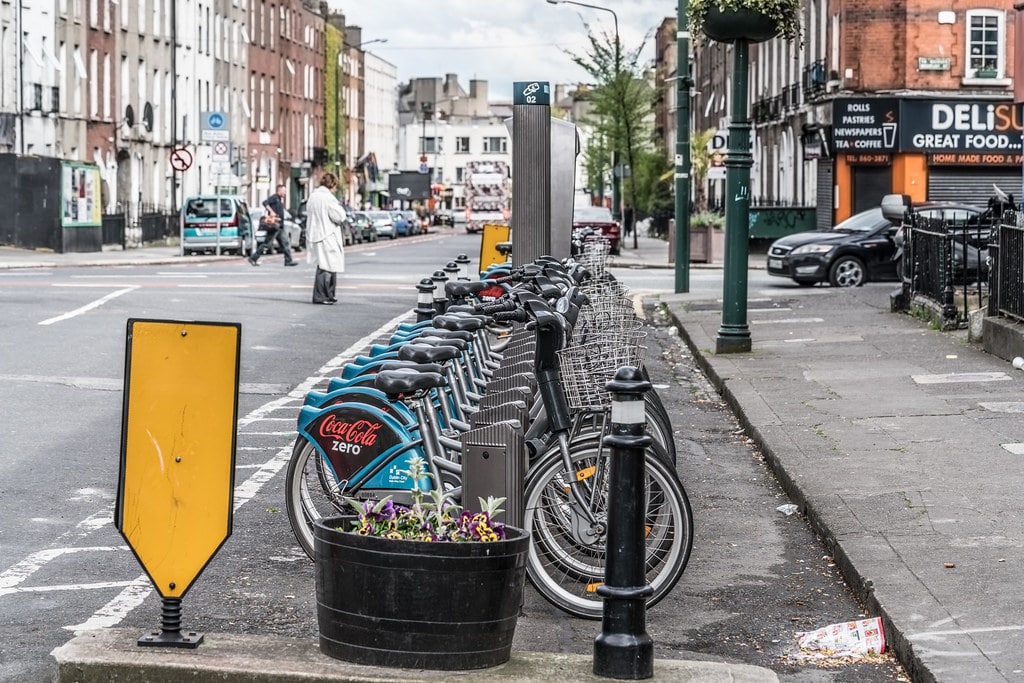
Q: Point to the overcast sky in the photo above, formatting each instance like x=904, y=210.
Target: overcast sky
x=500, y=41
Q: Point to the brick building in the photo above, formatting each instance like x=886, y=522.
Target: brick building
x=908, y=96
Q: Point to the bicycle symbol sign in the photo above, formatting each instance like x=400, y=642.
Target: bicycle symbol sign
x=181, y=159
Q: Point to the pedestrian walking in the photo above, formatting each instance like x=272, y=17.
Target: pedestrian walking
x=324, y=218
x=272, y=223
x=627, y=219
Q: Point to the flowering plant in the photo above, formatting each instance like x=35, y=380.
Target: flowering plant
x=785, y=13
x=436, y=519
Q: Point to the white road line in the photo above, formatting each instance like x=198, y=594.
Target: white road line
x=11, y=578
x=955, y=377
x=88, y=307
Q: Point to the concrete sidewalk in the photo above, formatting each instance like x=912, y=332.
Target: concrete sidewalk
x=903, y=446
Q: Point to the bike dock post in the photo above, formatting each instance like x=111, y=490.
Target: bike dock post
x=623, y=649
x=425, y=300
x=494, y=450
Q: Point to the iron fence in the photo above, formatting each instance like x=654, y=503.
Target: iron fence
x=157, y=227
x=1007, y=258
x=114, y=229
x=947, y=263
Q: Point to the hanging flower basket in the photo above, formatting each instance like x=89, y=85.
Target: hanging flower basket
x=754, y=21
x=728, y=26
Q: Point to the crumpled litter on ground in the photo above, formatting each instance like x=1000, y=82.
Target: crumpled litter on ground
x=849, y=639
x=788, y=509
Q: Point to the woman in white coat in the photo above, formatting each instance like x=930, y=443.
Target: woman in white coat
x=324, y=218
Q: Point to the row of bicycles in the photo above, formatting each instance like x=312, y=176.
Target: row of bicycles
x=533, y=347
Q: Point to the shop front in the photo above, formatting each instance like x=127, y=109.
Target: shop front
x=952, y=149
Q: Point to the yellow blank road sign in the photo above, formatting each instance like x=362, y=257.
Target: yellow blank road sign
x=493, y=235
x=174, y=499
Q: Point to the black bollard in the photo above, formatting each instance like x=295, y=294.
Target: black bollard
x=464, y=264
x=440, y=296
x=425, y=300
x=452, y=270
x=623, y=649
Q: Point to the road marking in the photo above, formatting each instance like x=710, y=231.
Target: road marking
x=1015, y=448
x=1003, y=406
x=88, y=307
x=787, y=321
x=13, y=577
x=954, y=377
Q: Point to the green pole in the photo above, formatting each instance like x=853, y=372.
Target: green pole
x=734, y=335
x=682, y=174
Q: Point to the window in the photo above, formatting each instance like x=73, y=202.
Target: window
x=985, y=41
x=428, y=145
x=495, y=145
x=94, y=95
x=461, y=145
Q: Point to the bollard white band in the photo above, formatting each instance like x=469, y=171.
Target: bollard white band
x=629, y=413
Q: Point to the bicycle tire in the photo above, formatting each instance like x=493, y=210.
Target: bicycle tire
x=659, y=425
x=566, y=571
x=308, y=501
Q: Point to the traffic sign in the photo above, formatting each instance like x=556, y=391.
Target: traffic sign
x=221, y=152
x=181, y=159
x=531, y=92
x=174, y=499
x=213, y=126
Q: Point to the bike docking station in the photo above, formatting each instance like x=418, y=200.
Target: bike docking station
x=178, y=435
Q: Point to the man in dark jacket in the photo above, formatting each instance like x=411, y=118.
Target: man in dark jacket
x=273, y=223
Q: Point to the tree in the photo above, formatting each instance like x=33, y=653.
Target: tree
x=621, y=100
x=700, y=160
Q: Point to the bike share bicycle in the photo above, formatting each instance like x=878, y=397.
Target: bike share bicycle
x=355, y=441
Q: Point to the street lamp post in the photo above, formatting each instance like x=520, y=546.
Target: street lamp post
x=617, y=170
x=683, y=162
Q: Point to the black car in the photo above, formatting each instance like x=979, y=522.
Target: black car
x=860, y=249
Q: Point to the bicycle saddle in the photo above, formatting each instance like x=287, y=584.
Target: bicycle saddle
x=467, y=323
x=407, y=381
x=444, y=334
x=460, y=289
x=410, y=365
x=460, y=344
x=425, y=353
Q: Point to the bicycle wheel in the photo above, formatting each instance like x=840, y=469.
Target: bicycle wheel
x=566, y=559
x=310, y=493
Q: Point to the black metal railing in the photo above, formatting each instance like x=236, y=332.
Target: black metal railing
x=948, y=264
x=1007, y=259
x=113, y=229
x=814, y=79
x=157, y=227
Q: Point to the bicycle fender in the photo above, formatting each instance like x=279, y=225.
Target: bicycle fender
x=360, y=443
x=361, y=394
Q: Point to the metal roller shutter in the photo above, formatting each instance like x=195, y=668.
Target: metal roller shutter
x=971, y=184
x=823, y=216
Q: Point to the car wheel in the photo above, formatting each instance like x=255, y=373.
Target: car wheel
x=847, y=271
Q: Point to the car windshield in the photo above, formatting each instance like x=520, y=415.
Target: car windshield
x=592, y=214
x=207, y=208
x=865, y=221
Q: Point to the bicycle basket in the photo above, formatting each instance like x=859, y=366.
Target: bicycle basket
x=586, y=368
